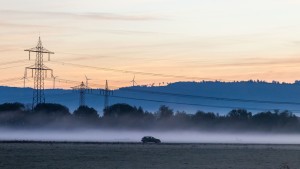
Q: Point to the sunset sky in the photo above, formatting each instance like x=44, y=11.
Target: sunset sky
x=196, y=39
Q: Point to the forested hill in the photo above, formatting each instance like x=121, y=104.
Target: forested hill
x=219, y=97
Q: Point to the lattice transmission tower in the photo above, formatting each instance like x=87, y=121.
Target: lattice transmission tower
x=82, y=89
x=106, y=93
x=39, y=72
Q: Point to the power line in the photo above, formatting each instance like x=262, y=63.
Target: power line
x=210, y=98
x=196, y=104
x=171, y=102
x=52, y=95
x=12, y=62
x=134, y=72
x=67, y=81
x=96, y=56
x=12, y=66
x=198, y=96
x=10, y=79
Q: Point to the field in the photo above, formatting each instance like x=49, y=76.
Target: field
x=138, y=156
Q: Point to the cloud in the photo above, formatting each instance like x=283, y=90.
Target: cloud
x=296, y=42
x=9, y=24
x=109, y=16
x=251, y=62
x=94, y=16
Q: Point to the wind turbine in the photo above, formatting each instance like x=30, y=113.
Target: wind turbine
x=133, y=81
x=54, y=78
x=87, y=81
x=24, y=81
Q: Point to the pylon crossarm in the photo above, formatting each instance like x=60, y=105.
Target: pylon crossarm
x=39, y=50
x=47, y=51
x=31, y=49
x=34, y=68
x=26, y=69
x=46, y=67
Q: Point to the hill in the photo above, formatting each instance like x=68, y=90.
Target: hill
x=219, y=97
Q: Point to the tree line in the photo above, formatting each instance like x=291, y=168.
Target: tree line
x=124, y=116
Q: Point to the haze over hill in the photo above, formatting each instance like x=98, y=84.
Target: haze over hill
x=219, y=97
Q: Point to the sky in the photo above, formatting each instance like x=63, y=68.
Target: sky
x=177, y=40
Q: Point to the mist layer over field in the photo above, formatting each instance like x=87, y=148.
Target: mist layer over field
x=135, y=136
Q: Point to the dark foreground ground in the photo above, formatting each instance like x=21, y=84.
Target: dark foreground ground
x=27, y=155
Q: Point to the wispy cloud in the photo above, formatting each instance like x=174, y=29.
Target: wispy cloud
x=296, y=42
x=95, y=16
x=252, y=62
x=9, y=24
x=109, y=16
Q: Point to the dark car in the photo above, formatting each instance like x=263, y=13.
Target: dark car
x=150, y=139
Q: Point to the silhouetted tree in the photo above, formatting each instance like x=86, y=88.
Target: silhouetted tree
x=149, y=117
x=239, y=115
x=182, y=116
x=124, y=115
x=268, y=120
x=287, y=118
x=12, y=114
x=263, y=118
x=123, y=110
x=165, y=112
x=50, y=109
x=48, y=115
x=86, y=113
x=202, y=116
x=11, y=107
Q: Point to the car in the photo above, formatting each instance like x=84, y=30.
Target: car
x=150, y=139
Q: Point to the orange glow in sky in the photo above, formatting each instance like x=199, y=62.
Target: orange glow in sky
x=180, y=40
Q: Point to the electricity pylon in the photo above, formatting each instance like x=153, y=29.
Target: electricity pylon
x=106, y=93
x=83, y=89
x=39, y=72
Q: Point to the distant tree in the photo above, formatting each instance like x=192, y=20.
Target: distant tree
x=239, y=115
x=11, y=107
x=276, y=120
x=12, y=114
x=123, y=110
x=51, y=109
x=48, y=114
x=180, y=120
x=182, y=115
x=287, y=118
x=86, y=113
x=202, y=116
x=149, y=117
x=164, y=112
x=140, y=111
x=264, y=119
